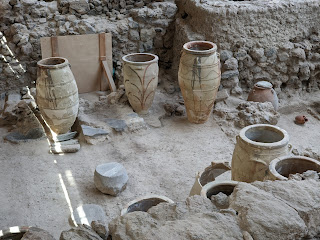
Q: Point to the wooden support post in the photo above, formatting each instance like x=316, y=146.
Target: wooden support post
x=54, y=46
x=105, y=69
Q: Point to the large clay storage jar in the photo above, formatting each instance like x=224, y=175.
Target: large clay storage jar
x=140, y=72
x=57, y=94
x=280, y=168
x=199, y=79
x=263, y=92
x=257, y=145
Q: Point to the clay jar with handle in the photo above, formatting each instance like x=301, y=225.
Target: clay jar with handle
x=199, y=79
x=57, y=94
x=140, y=72
x=257, y=145
x=263, y=92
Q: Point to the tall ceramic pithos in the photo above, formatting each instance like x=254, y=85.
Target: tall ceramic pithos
x=199, y=79
x=57, y=94
x=140, y=72
x=257, y=145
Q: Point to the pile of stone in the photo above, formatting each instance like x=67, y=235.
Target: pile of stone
x=246, y=113
x=260, y=210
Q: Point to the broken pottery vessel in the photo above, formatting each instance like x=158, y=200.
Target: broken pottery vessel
x=208, y=175
x=213, y=188
x=263, y=92
x=140, y=73
x=144, y=203
x=280, y=168
x=57, y=94
x=199, y=79
x=257, y=145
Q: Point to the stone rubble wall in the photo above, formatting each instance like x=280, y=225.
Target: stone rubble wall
x=136, y=26
x=276, y=41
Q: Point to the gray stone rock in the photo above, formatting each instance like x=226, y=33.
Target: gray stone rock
x=298, y=53
x=37, y=234
x=135, y=122
x=302, y=197
x=225, y=55
x=258, y=55
x=64, y=148
x=195, y=218
x=256, y=113
x=82, y=232
x=65, y=136
x=111, y=178
x=231, y=64
x=222, y=95
x=80, y=6
x=101, y=229
x=229, y=74
x=117, y=124
x=32, y=134
x=87, y=213
x=92, y=131
x=271, y=52
x=134, y=35
x=265, y=216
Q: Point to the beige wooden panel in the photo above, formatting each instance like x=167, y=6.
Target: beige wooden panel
x=82, y=51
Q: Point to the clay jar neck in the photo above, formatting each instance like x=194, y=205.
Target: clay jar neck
x=264, y=136
x=140, y=58
x=200, y=47
x=262, y=89
x=53, y=63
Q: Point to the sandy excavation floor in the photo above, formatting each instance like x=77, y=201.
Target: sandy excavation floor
x=36, y=186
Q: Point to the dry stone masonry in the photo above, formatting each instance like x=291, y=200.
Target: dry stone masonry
x=136, y=26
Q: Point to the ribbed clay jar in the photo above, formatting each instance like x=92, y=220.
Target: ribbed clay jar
x=57, y=94
x=257, y=145
x=199, y=79
x=140, y=72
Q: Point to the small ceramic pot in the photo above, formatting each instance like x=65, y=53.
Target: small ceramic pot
x=144, y=203
x=280, y=168
x=263, y=92
x=301, y=119
x=213, y=188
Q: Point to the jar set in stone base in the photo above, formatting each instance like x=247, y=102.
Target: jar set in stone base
x=262, y=152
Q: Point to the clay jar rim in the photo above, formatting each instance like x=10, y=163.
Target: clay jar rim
x=273, y=165
x=151, y=196
x=214, y=184
x=153, y=60
x=283, y=142
x=212, y=47
x=45, y=63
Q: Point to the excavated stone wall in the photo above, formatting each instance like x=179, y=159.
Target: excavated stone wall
x=136, y=26
x=277, y=41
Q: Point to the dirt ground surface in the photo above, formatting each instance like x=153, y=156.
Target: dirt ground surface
x=39, y=189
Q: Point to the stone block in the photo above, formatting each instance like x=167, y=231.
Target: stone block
x=110, y=178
